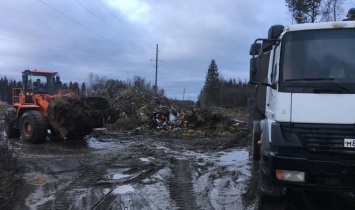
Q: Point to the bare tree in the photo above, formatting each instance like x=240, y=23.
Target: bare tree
x=304, y=11
x=332, y=10
x=311, y=11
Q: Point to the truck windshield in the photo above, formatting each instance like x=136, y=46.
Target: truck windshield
x=309, y=55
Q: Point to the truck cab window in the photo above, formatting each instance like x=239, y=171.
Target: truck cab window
x=317, y=54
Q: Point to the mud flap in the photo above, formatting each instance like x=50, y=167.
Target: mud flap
x=269, y=191
x=255, y=147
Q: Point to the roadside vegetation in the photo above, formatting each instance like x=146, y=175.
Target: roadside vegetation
x=11, y=171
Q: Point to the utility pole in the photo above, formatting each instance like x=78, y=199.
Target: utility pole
x=183, y=95
x=156, y=72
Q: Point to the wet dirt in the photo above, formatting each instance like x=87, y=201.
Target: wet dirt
x=141, y=171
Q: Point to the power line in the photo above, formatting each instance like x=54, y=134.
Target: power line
x=80, y=24
x=122, y=22
x=108, y=24
x=43, y=45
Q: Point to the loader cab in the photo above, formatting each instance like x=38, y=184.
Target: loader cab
x=41, y=82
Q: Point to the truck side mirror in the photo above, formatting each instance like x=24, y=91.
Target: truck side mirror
x=255, y=49
x=253, y=71
x=275, y=31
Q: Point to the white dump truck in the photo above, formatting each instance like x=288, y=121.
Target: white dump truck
x=302, y=113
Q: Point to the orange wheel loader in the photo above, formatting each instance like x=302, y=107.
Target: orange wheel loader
x=41, y=107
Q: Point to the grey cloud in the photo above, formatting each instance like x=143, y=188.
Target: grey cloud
x=189, y=34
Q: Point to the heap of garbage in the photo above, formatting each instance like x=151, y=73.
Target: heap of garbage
x=138, y=110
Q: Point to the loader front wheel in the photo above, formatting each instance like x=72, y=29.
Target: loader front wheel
x=33, y=127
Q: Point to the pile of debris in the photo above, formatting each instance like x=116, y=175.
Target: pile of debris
x=141, y=111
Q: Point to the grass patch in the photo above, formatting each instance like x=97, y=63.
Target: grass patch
x=11, y=177
x=11, y=170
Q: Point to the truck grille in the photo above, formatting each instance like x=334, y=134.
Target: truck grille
x=323, y=137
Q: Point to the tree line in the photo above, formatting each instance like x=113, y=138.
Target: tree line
x=223, y=93
x=98, y=86
x=7, y=85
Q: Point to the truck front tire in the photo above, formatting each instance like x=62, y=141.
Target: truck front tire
x=33, y=127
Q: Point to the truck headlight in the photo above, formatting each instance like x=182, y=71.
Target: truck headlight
x=291, y=176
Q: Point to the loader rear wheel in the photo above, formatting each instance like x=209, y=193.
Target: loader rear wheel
x=10, y=130
x=33, y=127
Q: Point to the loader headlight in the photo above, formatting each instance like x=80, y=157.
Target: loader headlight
x=291, y=176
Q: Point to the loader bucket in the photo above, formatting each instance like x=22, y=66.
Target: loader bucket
x=100, y=110
x=97, y=103
x=75, y=118
x=70, y=118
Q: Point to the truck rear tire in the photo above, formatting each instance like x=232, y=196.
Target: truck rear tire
x=255, y=137
x=33, y=127
x=10, y=120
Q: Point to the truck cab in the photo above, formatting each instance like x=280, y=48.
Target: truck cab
x=302, y=114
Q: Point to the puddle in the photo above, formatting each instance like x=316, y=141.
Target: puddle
x=123, y=189
x=116, y=176
x=144, y=159
x=234, y=156
x=236, y=160
x=239, y=120
x=95, y=144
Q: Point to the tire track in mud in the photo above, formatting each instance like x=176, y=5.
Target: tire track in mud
x=181, y=184
x=111, y=199
x=66, y=197
x=106, y=202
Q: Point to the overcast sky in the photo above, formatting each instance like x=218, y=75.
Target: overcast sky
x=117, y=38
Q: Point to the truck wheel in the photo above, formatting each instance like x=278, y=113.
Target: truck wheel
x=33, y=127
x=255, y=137
x=10, y=129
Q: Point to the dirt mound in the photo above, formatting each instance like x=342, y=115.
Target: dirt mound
x=139, y=110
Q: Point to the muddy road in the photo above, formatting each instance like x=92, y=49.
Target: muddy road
x=127, y=171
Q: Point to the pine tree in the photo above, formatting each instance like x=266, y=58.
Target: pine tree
x=71, y=86
x=211, y=86
x=76, y=88
x=83, y=89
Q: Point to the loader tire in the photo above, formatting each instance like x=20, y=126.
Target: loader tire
x=10, y=129
x=33, y=127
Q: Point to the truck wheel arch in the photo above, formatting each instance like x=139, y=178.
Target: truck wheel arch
x=265, y=141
